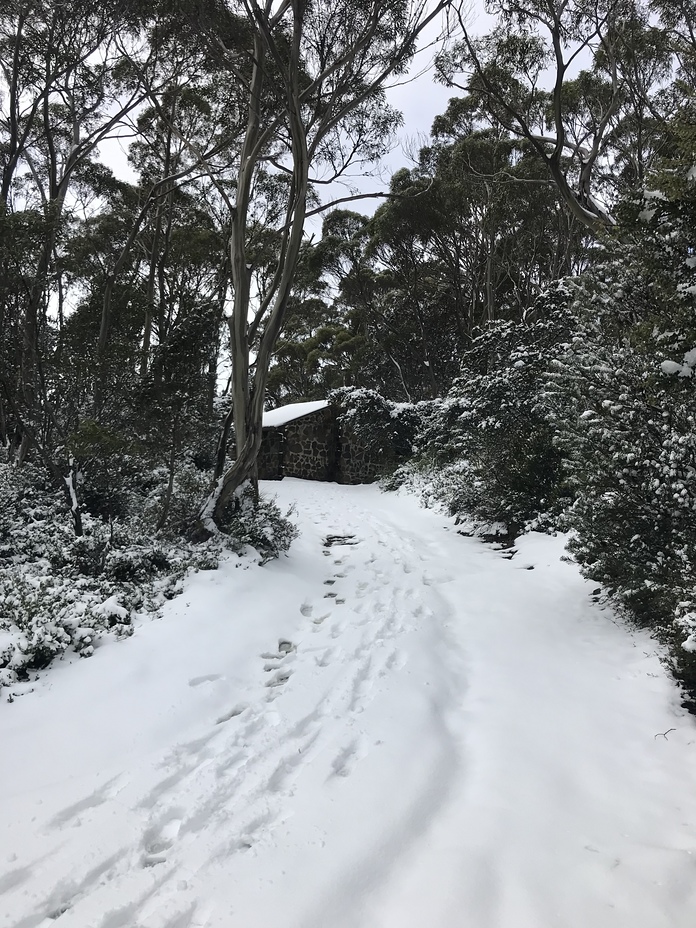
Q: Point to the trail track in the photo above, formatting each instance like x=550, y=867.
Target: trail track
x=393, y=726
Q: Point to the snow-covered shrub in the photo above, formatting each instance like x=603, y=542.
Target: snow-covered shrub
x=488, y=444
x=258, y=523
x=386, y=430
x=61, y=594
x=622, y=398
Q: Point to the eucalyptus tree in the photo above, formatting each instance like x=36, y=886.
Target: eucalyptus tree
x=472, y=234
x=185, y=142
x=62, y=97
x=502, y=227
x=313, y=77
x=531, y=76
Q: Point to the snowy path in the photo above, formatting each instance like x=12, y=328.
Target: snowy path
x=394, y=728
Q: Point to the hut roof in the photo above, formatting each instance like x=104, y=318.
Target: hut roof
x=284, y=414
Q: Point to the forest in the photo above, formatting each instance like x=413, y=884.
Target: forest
x=513, y=325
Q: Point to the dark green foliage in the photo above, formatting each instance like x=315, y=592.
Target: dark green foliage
x=61, y=594
x=622, y=403
x=489, y=438
x=386, y=430
x=258, y=523
x=470, y=235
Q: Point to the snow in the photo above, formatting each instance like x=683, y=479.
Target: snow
x=71, y=488
x=209, y=507
x=671, y=367
x=395, y=726
x=683, y=370
x=284, y=414
x=112, y=606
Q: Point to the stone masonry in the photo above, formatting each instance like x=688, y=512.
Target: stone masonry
x=310, y=449
x=355, y=462
x=315, y=447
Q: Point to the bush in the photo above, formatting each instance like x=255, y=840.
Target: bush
x=622, y=402
x=258, y=523
x=385, y=430
x=62, y=594
x=489, y=447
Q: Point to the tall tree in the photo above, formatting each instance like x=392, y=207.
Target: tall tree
x=62, y=99
x=314, y=78
x=570, y=125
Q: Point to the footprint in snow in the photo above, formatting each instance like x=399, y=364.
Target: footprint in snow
x=332, y=540
x=230, y=714
x=344, y=763
x=279, y=678
x=244, y=841
x=289, y=765
x=306, y=609
x=159, y=838
x=285, y=649
x=395, y=661
x=361, y=689
x=205, y=678
x=325, y=659
x=97, y=798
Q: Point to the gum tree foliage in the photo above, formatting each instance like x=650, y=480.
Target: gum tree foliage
x=470, y=235
x=111, y=293
x=313, y=353
x=62, y=97
x=582, y=124
x=67, y=86
x=479, y=235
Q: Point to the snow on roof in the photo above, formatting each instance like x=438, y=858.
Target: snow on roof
x=284, y=414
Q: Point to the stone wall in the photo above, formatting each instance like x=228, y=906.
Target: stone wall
x=355, y=462
x=315, y=447
x=311, y=446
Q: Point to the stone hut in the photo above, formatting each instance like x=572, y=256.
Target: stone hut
x=306, y=440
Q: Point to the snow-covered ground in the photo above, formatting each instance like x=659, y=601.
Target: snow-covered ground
x=396, y=728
